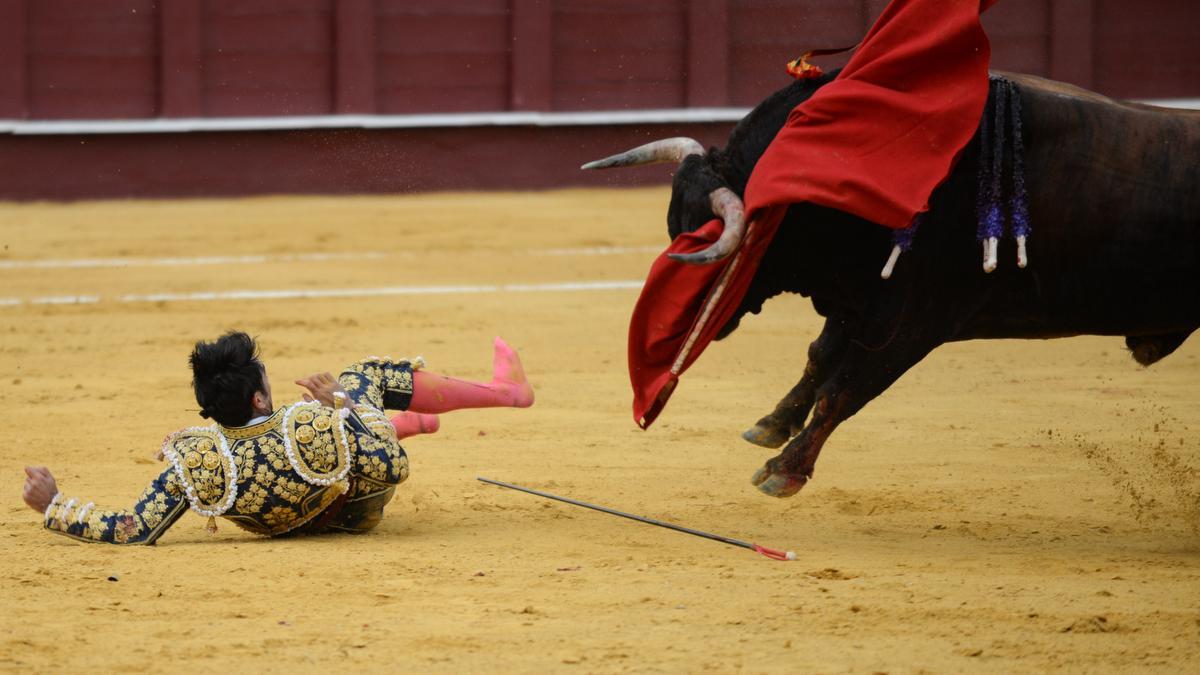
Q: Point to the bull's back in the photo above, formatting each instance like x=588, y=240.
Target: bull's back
x=1114, y=194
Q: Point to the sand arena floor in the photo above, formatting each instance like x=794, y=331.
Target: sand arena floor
x=1007, y=506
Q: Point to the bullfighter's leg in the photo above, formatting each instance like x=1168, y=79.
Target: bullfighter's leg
x=860, y=377
x=409, y=424
x=397, y=385
x=788, y=417
x=380, y=464
x=1150, y=349
x=434, y=393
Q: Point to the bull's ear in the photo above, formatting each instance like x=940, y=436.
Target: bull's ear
x=690, y=207
x=677, y=216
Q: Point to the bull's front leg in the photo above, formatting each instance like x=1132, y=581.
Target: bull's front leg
x=857, y=379
x=787, y=419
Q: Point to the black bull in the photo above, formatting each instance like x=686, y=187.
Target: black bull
x=1114, y=200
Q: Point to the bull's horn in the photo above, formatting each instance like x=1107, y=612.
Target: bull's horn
x=666, y=150
x=729, y=208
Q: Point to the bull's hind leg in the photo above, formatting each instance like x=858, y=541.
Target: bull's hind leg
x=1150, y=349
x=860, y=377
x=788, y=417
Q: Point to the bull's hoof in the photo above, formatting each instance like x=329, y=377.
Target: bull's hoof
x=776, y=485
x=765, y=437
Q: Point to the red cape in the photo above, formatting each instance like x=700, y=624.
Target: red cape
x=874, y=142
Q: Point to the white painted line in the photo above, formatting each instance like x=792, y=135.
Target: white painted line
x=296, y=294
x=265, y=258
x=293, y=294
x=66, y=300
x=256, y=259
x=597, y=250
x=425, y=121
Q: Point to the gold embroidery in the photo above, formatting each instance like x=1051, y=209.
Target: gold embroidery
x=205, y=472
x=317, y=450
x=292, y=491
x=279, y=517
x=209, y=485
x=305, y=434
x=272, y=496
x=402, y=463
x=254, y=430
x=252, y=498
x=263, y=475
x=375, y=468
x=402, y=380
x=154, y=509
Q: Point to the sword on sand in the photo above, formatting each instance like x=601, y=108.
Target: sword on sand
x=771, y=553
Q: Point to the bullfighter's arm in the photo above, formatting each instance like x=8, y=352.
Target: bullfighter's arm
x=159, y=507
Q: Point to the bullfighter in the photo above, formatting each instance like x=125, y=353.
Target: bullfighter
x=328, y=463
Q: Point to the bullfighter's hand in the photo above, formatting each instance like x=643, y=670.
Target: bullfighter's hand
x=40, y=488
x=321, y=387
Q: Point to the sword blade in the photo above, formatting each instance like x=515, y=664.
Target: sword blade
x=605, y=509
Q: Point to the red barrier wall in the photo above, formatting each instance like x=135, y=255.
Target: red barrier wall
x=149, y=59
x=324, y=161
x=104, y=59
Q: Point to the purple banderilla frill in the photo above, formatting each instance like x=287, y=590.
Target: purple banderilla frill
x=996, y=207
x=1000, y=201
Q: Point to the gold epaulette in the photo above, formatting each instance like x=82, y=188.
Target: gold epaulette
x=204, y=465
x=317, y=443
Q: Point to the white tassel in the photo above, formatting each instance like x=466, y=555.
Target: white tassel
x=989, y=254
x=1022, y=259
x=83, y=512
x=53, y=505
x=891, y=263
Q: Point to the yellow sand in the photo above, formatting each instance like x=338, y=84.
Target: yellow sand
x=1007, y=506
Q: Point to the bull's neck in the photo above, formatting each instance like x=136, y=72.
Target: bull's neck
x=750, y=138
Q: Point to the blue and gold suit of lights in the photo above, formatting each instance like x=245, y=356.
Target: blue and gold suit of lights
x=291, y=469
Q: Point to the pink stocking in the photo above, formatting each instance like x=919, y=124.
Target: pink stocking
x=411, y=423
x=434, y=393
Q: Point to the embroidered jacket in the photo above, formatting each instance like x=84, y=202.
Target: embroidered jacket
x=269, y=478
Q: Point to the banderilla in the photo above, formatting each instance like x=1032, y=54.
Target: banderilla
x=771, y=553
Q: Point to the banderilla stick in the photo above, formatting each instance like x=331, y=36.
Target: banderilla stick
x=769, y=552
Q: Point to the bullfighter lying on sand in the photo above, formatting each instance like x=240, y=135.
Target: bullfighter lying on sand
x=328, y=463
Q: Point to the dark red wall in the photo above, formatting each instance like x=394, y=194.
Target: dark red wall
x=88, y=59
x=98, y=57
x=139, y=59
x=344, y=161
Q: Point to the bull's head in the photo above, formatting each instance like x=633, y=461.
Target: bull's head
x=697, y=195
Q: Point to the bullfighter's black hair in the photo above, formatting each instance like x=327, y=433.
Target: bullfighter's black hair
x=226, y=373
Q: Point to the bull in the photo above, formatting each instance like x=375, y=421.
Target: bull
x=1113, y=192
